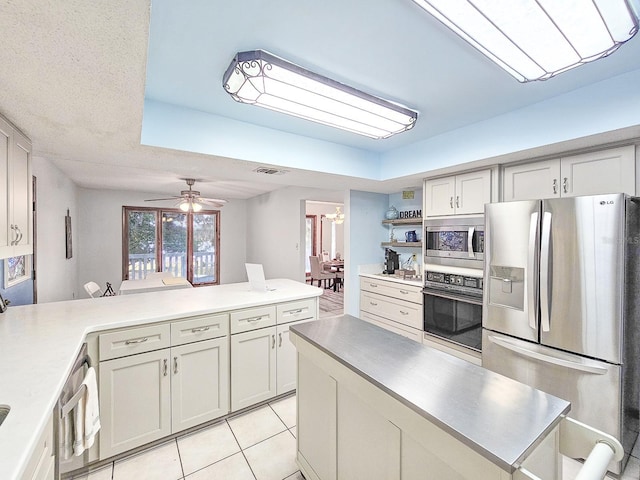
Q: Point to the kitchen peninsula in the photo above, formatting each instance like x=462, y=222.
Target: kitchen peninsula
x=372, y=404
x=39, y=344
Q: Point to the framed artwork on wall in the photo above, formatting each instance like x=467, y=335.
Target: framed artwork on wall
x=16, y=270
x=67, y=230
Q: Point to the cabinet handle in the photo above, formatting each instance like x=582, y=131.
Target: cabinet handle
x=373, y=285
x=374, y=304
x=555, y=185
x=18, y=235
x=451, y=202
x=164, y=367
x=175, y=365
x=255, y=319
x=198, y=330
x=139, y=340
x=565, y=185
x=457, y=201
x=294, y=312
x=404, y=292
x=403, y=312
x=13, y=235
x=280, y=339
x=273, y=342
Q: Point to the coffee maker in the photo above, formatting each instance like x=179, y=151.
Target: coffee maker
x=391, y=261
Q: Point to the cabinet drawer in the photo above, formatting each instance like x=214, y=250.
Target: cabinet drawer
x=409, y=293
x=407, y=313
x=199, y=328
x=252, y=318
x=412, y=333
x=300, y=310
x=132, y=341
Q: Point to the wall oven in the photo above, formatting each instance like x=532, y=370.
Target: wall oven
x=455, y=241
x=453, y=307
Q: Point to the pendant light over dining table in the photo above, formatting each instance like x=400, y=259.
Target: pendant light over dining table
x=260, y=78
x=538, y=39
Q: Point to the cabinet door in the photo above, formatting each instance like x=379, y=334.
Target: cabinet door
x=609, y=171
x=317, y=421
x=439, y=196
x=134, y=401
x=20, y=199
x=200, y=382
x=473, y=190
x=5, y=232
x=532, y=181
x=285, y=359
x=253, y=367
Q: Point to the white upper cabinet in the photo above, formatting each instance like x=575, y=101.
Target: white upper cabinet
x=608, y=171
x=16, y=211
x=460, y=194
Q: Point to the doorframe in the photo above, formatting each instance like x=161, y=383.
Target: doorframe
x=34, y=240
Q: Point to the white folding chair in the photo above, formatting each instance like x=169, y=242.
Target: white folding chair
x=93, y=289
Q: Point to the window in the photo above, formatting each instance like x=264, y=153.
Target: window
x=170, y=240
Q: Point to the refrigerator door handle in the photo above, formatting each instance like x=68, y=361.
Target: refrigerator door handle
x=472, y=231
x=532, y=297
x=545, y=304
x=525, y=352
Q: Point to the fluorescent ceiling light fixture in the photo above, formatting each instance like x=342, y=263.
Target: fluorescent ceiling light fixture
x=537, y=39
x=259, y=78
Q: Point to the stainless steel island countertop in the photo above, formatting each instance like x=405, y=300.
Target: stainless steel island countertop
x=499, y=418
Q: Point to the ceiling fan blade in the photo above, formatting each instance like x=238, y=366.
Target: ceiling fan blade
x=158, y=199
x=220, y=201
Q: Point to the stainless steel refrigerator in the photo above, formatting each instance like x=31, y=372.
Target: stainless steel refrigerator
x=561, y=304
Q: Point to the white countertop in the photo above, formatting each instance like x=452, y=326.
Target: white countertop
x=391, y=278
x=39, y=343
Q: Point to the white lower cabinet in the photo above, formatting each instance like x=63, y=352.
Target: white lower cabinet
x=135, y=401
x=199, y=383
x=253, y=367
x=391, y=305
x=41, y=464
x=263, y=360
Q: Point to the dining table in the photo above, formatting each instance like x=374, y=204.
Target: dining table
x=334, y=266
x=153, y=284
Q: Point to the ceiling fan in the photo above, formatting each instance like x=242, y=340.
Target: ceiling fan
x=190, y=200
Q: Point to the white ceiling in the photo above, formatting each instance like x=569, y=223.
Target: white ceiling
x=74, y=76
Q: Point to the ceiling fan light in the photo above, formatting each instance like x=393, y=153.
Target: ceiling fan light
x=184, y=206
x=196, y=206
x=538, y=40
x=259, y=78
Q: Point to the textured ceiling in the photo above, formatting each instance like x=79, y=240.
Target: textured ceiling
x=74, y=76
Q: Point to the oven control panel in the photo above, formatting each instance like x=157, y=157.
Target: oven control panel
x=453, y=282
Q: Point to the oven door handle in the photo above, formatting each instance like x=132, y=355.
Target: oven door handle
x=460, y=298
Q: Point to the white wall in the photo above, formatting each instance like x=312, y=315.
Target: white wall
x=276, y=229
x=100, y=235
x=57, y=277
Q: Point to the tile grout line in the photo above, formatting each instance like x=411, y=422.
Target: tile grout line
x=241, y=450
x=179, y=458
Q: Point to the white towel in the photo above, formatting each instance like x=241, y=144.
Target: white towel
x=87, y=414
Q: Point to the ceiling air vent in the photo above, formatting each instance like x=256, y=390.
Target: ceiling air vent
x=270, y=171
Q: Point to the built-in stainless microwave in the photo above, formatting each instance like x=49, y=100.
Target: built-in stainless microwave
x=455, y=241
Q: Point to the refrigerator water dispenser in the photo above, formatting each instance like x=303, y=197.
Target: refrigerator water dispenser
x=506, y=287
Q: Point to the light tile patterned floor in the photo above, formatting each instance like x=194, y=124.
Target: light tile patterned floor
x=258, y=445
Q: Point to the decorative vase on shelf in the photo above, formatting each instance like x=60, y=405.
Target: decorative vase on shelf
x=392, y=213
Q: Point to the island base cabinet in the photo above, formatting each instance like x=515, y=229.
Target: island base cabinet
x=379, y=456
x=134, y=401
x=200, y=383
x=317, y=417
x=349, y=428
x=253, y=367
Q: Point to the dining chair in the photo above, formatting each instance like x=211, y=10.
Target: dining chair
x=317, y=273
x=93, y=289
